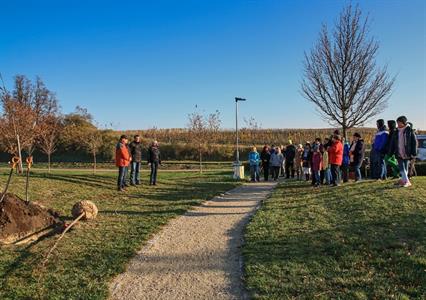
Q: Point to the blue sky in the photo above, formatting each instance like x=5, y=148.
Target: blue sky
x=148, y=63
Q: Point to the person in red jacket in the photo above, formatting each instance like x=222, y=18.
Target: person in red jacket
x=335, y=158
x=122, y=160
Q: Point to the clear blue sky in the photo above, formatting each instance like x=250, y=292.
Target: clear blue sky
x=141, y=64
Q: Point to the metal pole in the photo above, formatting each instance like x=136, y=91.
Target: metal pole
x=236, y=130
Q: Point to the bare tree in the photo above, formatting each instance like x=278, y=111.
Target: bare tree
x=341, y=76
x=50, y=129
x=93, y=140
x=198, y=132
x=203, y=130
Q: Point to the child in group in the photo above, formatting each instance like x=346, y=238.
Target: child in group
x=326, y=166
x=306, y=160
x=298, y=162
x=346, y=160
x=316, y=164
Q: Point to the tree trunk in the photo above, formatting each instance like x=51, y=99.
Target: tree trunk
x=94, y=162
x=344, y=131
x=48, y=162
x=201, y=166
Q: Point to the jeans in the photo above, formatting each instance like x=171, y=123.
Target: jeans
x=335, y=174
x=134, y=172
x=357, y=170
x=403, y=169
x=378, y=168
x=327, y=176
x=121, y=180
x=317, y=177
x=254, y=172
x=153, y=176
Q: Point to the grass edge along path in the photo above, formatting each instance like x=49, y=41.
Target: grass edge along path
x=91, y=255
x=357, y=241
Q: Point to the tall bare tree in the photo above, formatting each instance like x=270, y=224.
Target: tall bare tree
x=202, y=130
x=93, y=140
x=50, y=129
x=341, y=76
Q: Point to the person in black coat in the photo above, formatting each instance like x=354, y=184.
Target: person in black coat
x=390, y=158
x=135, y=148
x=154, y=160
x=290, y=154
x=357, y=154
x=265, y=157
x=404, y=147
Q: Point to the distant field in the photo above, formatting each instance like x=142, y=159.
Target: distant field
x=357, y=241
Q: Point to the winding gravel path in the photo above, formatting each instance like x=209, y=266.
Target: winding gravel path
x=197, y=255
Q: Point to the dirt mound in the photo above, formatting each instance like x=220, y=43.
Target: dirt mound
x=19, y=219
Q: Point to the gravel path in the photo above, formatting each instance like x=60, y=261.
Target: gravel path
x=195, y=256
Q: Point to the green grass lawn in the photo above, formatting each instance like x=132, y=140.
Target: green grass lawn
x=357, y=241
x=89, y=256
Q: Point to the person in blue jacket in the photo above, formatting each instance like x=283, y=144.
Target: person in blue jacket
x=379, y=150
x=346, y=161
x=254, y=160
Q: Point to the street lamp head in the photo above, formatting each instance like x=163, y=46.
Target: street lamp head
x=239, y=99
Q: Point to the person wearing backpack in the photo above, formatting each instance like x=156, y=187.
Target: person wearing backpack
x=154, y=160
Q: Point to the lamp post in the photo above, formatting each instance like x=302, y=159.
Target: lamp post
x=237, y=99
x=238, y=169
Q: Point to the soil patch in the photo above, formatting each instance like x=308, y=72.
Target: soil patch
x=19, y=219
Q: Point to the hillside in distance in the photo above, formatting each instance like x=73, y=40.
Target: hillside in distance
x=247, y=136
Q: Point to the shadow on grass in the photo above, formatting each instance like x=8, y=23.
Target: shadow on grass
x=184, y=191
x=89, y=180
x=376, y=258
x=143, y=213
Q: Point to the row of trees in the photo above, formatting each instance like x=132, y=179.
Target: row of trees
x=31, y=120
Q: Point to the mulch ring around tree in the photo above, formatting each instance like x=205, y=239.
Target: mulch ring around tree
x=22, y=221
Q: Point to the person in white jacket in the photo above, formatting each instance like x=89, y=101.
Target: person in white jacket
x=277, y=159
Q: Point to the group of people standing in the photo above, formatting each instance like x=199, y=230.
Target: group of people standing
x=130, y=155
x=330, y=161
x=394, y=146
